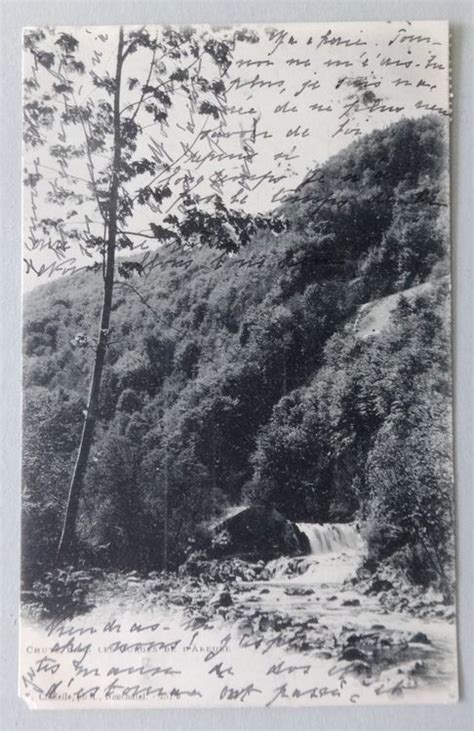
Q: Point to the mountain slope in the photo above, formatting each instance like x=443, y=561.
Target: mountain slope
x=241, y=378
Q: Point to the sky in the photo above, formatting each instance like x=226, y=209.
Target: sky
x=293, y=99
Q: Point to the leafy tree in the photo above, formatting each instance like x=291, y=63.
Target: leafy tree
x=259, y=382
x=51, y=427
x=95, y=202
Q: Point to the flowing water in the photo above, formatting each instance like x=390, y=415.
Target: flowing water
x=318, y=585
x=337, y=550
x=312, y=590
x=331, y=537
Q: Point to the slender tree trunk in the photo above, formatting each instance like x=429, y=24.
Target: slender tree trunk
x=165, y=514
x=67, y=540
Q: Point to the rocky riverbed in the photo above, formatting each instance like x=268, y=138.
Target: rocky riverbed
x=321, y=609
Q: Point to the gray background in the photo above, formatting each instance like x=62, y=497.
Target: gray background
x=14, y=14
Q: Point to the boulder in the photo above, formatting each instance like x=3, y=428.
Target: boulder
x=298, y=591
x=359, y=667
x=222, y=599
x=379, y=585
x=258, y=532
x=353, y=653
x=351, y=603
x=421, y=638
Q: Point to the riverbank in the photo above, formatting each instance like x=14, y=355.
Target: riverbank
x=319, y=612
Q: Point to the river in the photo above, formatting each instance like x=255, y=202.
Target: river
x=301, y=636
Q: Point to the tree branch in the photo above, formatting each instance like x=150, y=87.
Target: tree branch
x=144, y=301
x=163, y=83
x=62, y=174
x=147, y=81
x=145, y=236
x=65, y=79
x=91, y=164
x=177, y=159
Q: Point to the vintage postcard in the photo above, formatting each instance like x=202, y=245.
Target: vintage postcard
x=237, y=431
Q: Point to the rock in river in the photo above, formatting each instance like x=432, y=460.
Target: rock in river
x=298, y=591
x=353, y=653
x=222, y=599
x=421, y=638
x=379, y=585
x=258, y=532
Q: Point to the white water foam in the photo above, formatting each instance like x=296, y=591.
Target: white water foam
x=336, y=552
x=331, y=537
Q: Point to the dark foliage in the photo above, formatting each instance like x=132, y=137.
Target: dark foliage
x=254, y=375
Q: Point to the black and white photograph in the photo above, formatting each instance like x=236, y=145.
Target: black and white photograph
x=237, y=456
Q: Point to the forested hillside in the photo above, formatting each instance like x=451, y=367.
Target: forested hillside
x=247, y=378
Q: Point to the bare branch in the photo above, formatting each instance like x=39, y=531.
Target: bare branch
x=61, y=77
x=144, y=301
x=147, y=81
x=177, y=159
x=62, y=174
x=91, y=165
x=137, y=233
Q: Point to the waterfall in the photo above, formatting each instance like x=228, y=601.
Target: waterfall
x=331, y=537
x=336, y=550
